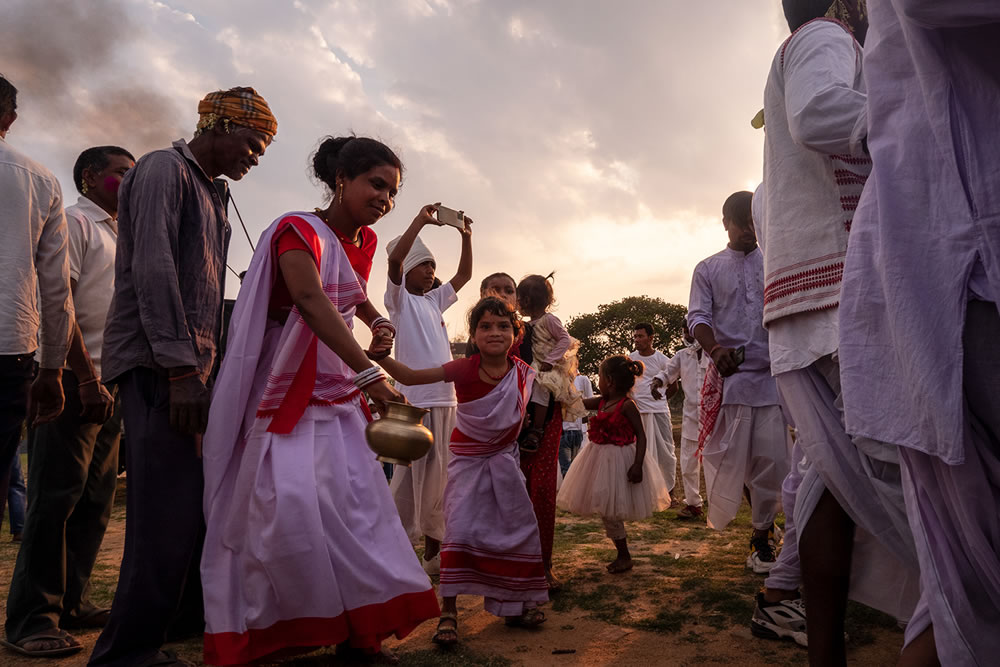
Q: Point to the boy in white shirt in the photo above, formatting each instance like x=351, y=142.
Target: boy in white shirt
x=415, y=307
x=654, y=410
x=688, y=366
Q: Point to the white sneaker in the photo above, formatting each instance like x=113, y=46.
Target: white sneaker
x=433, y=566
x=780, y=620
x=759, y=566
x=762, y=557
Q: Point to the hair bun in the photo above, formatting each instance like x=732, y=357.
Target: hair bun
x=325, y=158
x=637, y=368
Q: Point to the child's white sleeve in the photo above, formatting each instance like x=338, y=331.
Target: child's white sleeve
x=394, y=295
x=444, y=296
x=539, y=394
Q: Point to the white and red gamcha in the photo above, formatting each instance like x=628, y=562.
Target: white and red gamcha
x=303, y=546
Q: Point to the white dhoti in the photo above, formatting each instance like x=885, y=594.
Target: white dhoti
x=691, y=471
x=749, y=447
x=863, y=477
x=660, y=444
x=953, y=511
x=418, y=489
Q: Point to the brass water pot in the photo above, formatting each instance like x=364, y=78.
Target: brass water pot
x=398, y=436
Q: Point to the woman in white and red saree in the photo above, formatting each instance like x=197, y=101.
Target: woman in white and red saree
x=491, y=545
x=303, y=546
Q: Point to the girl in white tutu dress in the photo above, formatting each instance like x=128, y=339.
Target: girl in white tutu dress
x=612, y=476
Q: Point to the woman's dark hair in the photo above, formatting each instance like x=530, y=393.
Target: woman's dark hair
x=494, y=306
x=500, y=274
x=534, y=292
x=95, y=159
x=800, y=12
x=350, y=156
x=622, y=371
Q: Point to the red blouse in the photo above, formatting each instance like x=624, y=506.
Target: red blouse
x=294, y=233
x=611, y=428
x=465, y=374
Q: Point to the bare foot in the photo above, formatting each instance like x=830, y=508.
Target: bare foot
x=620, y=565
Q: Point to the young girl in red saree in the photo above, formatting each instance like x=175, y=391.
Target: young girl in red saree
x=491, y=545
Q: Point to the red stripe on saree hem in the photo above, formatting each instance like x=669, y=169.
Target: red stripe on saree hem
x=495, y=567
x=365, y=627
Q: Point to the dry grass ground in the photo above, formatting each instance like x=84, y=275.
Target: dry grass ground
x=687, y=602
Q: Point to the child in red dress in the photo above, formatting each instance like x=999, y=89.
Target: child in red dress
x=612, y=476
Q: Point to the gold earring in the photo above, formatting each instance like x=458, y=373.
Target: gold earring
x=340, y=193
x=83, y=188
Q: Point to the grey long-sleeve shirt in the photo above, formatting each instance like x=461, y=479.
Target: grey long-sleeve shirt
x=170, y=268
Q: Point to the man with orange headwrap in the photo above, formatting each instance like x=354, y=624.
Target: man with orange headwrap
x=159, y=347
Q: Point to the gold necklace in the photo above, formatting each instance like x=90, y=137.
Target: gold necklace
x=321, y=214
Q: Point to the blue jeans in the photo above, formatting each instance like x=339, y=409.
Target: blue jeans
x=569, y=447
x=16, y=497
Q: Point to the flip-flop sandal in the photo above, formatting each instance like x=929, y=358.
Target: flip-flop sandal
x=441, y=641
x=531, y=618
x=72, y=645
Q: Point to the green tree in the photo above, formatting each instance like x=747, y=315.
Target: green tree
x=609, y=330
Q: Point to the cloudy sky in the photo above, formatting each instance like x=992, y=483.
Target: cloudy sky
x=594, y=138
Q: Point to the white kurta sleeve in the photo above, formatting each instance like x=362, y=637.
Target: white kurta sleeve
x=826, y=113
x=700, y=304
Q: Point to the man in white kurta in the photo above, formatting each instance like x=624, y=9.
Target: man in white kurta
x=749, y=445
x=654, y=410
x=919, y=304
x=688, y=366
x=815, y=169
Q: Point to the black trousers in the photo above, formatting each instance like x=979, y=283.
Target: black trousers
x=164, y=528
x=72, y=474
x=16, y=373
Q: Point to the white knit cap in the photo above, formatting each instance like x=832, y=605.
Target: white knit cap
x=419, y=253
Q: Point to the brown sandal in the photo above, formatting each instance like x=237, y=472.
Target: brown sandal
x=446, y=636
x=531, y=618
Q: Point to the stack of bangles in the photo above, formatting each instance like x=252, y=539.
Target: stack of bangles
x=711, y=352
x=368, y=377
x=384, y=323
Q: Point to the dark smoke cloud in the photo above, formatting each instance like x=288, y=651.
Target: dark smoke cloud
x=52, y=47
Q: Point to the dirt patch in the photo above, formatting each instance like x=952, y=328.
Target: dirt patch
x=687, y=602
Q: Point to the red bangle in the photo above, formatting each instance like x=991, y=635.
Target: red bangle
x=716, y=347
x=191, y=374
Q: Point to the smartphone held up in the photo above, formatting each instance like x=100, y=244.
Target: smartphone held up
x=449, y=216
